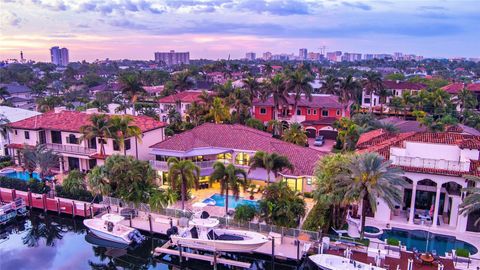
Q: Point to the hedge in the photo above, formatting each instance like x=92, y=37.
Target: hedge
x=462, y=252
x=17, y=184
x=80, y=195
x=393, y=242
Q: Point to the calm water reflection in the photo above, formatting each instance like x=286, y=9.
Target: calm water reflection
x=47, y=241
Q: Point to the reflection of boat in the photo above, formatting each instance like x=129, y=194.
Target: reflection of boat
x=97, y=241
x=11, y=210
x=333, y=262
x=109, y=228
x=203, y=235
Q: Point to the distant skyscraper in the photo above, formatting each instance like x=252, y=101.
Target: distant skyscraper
x=334, y=56
x=267, y=56
x=59, y=56
x=302, y=54
x=21, y=57
x=173, y=58
x=250, y=56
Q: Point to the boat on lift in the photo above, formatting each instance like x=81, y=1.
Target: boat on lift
x=108, y=227
x=202, y=233
x=334, y=262
x=11, y=210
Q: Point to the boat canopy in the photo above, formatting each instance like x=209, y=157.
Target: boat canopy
x=112, y=218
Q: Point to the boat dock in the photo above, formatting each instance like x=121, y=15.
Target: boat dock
x=59, y=205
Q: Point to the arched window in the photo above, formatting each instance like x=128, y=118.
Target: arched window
x=72, y=139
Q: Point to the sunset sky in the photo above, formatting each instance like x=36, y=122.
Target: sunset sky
x=134, y=29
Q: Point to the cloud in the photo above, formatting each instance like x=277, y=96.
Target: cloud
x=432, y=8
x=10, y=18
x=357, y=5
x=280, y=8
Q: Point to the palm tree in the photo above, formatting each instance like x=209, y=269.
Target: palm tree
x=98, y=181
x=4, y=93
x=230, y=178
x=407, y=100
x=100, y=127
x=268, y=70
x=471, y=203
x=160, y=199
x=196, y=113
x=299, y=83
x=295, y=134
x=276, y=127
x=330, y=86
x=4, y=128
x=270, y=162
x=48, y=103
x=219, y=112
x=182, y=81
x=466, y=100
x=122, y=127
x=370, y=177
x=347, y=132
x=372, y=83
x=131, y=88
x=252, y=86
x=348, y=91
x=276, y=88
x=396, y=105
x=184, y=173
x=383, y=94
x=41, y=158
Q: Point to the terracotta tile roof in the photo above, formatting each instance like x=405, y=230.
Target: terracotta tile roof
x=432, y=171
x=318, y=101
x=444, y=138
x=98, y=156
x=243, y=138
x=475, y=87
x=17, y=146
x=368, y=136
x=404, y=125
x=185, y=97
x=404, y=85
x=453, y=88
x=454, y=128
x=71, y=121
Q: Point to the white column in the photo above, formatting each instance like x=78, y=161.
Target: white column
x=437, y=205
x=61, y=164
x=412, y=203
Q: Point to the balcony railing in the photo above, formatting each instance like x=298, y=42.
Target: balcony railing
x=428, y=163
x=71, y=149
x=163, y=166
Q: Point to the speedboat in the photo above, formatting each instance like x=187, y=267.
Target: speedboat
x=333, y=262
x=203, y=234
x=11, y=210
x=109, y=228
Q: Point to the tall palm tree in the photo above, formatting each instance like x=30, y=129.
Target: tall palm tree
x=299, y=82
x=368, y=178
x=295, y=134
x=466, y=100
x=48, y=103
x=407, y=100
x=272, y=163
x=372, y=82
x=230, y=178
x=268, y=70
x=252, y=86
x=348, y=91
x=347, y=132
x=330, y=86
x=131, y=88
x=123, y=127
x=100, y=127
x=471, y=203
x=41, y=158
x=182, y=81
x=219, y=112
x=4, y=128
x=98, y=181
x=4, y=93
x=184, y=173
x=383, y=94
x=276, y=89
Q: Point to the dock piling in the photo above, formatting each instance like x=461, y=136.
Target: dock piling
x=84, y=209
x=215, y=259
x=91, y=210
x=150, y=223
x=273, y=249
x=297, y=242
x=130, y=220
x=73, y=209
x=44, y=201
x=180, y=250
x=58, y=206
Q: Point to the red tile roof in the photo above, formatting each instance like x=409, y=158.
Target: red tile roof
x=185, y=97
x=404, y=85
x=154, y=89
x=368, y=136
x=243, y=138
x=475, y=87
x=454, y=88
x=71, y=121
x=318, y=101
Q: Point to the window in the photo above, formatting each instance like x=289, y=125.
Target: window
x=27, y=135
x=92, y=163
x=315, y=112
x=263, y=111
x=366, y=100
x=56, y=137
x=309, y=181
x=324, y=112
x=299, y=112
x=16, y=133
x=309, y=112
x=92, y=143
x=116, y=147
x=338, y=112
x=242, y=158
x=42, y=137
x=72, y=139
x=127, y=144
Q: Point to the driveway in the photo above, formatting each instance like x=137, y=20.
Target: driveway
x=326, y=147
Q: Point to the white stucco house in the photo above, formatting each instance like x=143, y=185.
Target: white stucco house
x=9, y=115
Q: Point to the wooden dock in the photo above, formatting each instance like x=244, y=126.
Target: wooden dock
x=59, y=205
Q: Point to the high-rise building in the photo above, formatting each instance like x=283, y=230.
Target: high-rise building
x=302, y=54
x=334, y=56
x=59, y=56
x=397, y=56
x=21, y=57
x=267, y=56
x=250, y=56
x=313, y=56
x=172, y=58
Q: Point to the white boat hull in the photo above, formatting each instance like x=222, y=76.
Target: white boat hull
x=119, y=233
x=252, y=241
x=333, y=262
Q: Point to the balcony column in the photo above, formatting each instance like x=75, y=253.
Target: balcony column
x=61, y=164
x=437, y=205
x=412, y=203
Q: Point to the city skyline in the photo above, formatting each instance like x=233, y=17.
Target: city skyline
x=216, y=29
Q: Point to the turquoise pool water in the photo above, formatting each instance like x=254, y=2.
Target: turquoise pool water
x=426, y=241
x=232, y=203
x=25, y=176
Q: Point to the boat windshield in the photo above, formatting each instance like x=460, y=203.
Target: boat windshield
x=112, y=218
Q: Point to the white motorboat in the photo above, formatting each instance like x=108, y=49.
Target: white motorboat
x=333, y=262
x=109, y=228
x=203, y=234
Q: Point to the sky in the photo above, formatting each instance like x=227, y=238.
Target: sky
x=215, y=29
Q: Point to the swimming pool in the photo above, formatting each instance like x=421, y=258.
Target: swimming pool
x=418, y=239
x=219, y=200
x=24, y=176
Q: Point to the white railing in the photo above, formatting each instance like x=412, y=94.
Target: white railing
x=163, y=166
x=428, y=163
x=73, y=149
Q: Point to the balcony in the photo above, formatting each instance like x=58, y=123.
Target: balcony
x=291, y=118
x=427, y=163
x=70, y=149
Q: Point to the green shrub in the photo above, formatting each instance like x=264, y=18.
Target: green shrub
x=317, y=218
x=5, y=164
x=5, y=158
x=393, y=242
x=80, y=195
x=245, y=213
x=462, y=252
x=17, y=184
x=74, y=182
x=255, y=123
x=308, y=195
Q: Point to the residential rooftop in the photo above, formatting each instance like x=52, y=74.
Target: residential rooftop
x=187, y=96
x=318, y=101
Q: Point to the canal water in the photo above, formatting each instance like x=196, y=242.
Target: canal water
x=48, y=241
